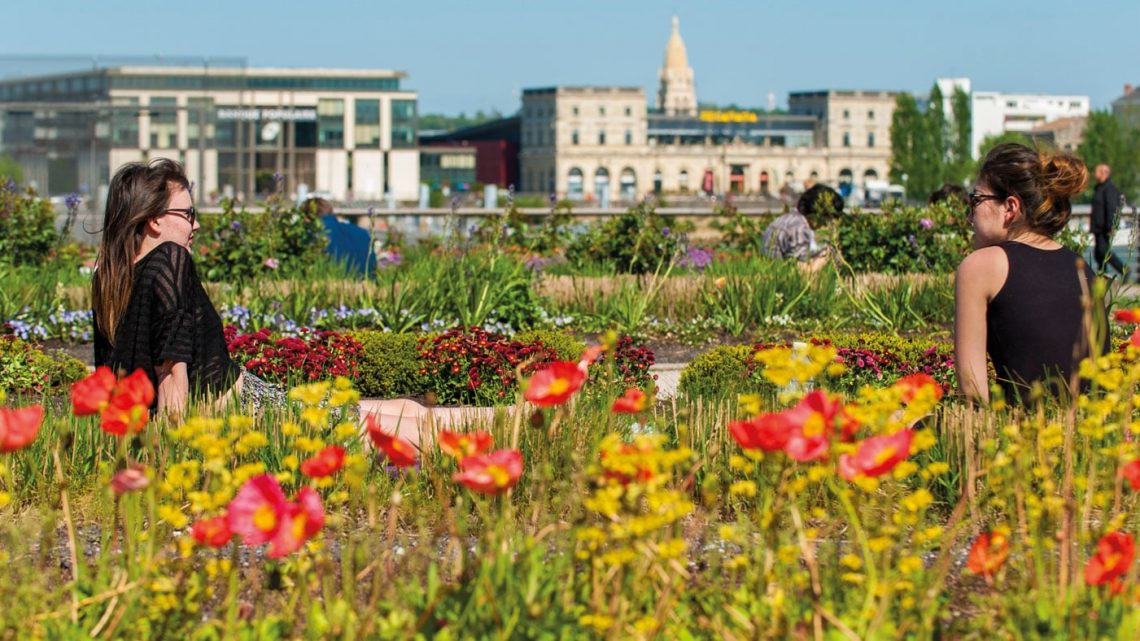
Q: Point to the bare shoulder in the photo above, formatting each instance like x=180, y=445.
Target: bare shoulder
x=984, y=271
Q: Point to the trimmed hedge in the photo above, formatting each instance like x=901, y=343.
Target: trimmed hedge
x=389, y=364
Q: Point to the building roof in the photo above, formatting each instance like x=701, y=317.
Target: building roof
x=1061, y=123
x=675, y=55
x=537, y=91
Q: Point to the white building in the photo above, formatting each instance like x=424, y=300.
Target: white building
x=994, y=113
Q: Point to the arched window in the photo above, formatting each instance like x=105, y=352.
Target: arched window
x=657, y=180
x=601, y=183
x=683, y=181
x=764, y=182
x=870, y=174
x=574, y=184
x=628, y=184
x=845, y=176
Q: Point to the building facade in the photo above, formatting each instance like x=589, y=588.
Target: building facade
x=350, y=134
x=993, y=113
x=1127, y=106
x=603, y=143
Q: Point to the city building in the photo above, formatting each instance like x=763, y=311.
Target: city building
x=450, y=166
x=993, y=113
x=346, y=133
x=603, y=143
x=496, y=146
x=1127, y=107
x=1064, y=134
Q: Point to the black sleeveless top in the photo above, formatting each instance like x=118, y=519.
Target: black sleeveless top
x=169, y=317
x=1035, y=325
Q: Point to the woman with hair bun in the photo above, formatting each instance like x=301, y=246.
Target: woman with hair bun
x=1018, y=295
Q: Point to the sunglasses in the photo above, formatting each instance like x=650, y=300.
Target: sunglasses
x=977, y=199
x=190, y=214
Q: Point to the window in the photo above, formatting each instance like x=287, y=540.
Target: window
x=574, y=137
x=602, y=110
x=1011, y=104
x=163, y=123
x=201, y=122
x=602, y=137
x=403, y=123
x=366, y=131
x=846, y=139
x=574, y=184
x=629, y=136
x=330, y=123
x=628, y=111
x=871, y=114
x=574, y=110
x=846, y=114
x=683, y=181
x=125, y=122
x=871, y=139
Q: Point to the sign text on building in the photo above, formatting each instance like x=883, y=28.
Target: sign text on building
x=254, y=114
x=729, y=116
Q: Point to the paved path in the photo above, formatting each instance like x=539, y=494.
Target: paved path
x=668, y=377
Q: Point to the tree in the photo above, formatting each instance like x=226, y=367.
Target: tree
x=961, y=155
x=989, y=142
x=1110, y=141
x=9, y=168
x=928, y=149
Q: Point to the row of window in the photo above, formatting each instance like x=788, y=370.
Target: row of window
x=847, y=139
x=548, y=112
x=101, y=83
x=847, y=114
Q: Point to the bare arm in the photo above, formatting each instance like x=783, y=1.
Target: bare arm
x=173, y=388
x=980, y=277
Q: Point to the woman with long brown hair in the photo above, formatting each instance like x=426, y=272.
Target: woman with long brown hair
x=1018, y=295
x=151, y=311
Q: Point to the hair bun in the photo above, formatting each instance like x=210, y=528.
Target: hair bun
x=1062, y=175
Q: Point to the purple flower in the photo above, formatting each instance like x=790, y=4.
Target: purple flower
x=10, y=185
x=665, y=231
x=696, y=258
x=277, y=177
x=272, y=263
x=235, y=225
x=926, y=223
x=72, y=201
x=389, y=258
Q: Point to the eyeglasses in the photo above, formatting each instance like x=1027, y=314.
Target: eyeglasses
x=977, y=199
x=190, y=214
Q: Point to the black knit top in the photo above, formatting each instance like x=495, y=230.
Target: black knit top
x=169, y=317
x=1035, y=325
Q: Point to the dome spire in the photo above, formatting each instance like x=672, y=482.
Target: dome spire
x=676, y=94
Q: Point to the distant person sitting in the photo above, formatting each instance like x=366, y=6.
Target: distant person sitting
x=349, y=244
x=791, y=235
x=950, y=194
x=1106, y=199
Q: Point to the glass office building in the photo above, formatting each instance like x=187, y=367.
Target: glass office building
x=348, y=134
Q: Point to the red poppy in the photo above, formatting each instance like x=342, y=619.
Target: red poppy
x=591, y=354
x=258, y=510
x=324, y=463
x=555, y=384
x=1127, y=315
x=19, y=427
x=634, y=401
x=490, y=473
x=214, y=532
x=1114, y=555
x=460, y=445
x=767, y=432
x=813, y=420
x=1134, y=339
x=988, y=554
x=1131, y=472
x=128, y=408
x=627, y=456
x=911, y=385
x=90, y=395
x=303, y=519
x=400, y=452
x=129, y=479
x=876, y=455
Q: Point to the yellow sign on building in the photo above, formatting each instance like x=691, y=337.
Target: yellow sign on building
x=729, y=116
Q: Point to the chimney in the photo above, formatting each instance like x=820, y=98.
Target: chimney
x=1127, y=89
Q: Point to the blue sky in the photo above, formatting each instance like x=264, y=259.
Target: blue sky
x=464, y=56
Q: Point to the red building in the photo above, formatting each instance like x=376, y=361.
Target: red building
x=496, y=146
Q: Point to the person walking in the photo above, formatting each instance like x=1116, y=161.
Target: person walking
x=1106, y=200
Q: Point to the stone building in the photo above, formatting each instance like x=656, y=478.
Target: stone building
x=603, y=143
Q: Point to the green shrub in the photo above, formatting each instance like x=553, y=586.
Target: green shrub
x=27, y=227
x=903, y=240
x=721, y=372
x=636, y=242
x=234, y=245
x=27, y=369
x=566, y=346
x=389, y=365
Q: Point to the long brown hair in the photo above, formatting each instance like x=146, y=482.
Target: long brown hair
x=138, y=192
x=1043, y=181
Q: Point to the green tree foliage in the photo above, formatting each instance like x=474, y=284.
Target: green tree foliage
x=927, y=148
x=9, y=168
x=1108, y=140
x=441, y=122
x=989, y=142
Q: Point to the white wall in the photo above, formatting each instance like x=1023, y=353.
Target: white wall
x=332, y=172
x=993, y=113
x=404, y=173
x=368, y=174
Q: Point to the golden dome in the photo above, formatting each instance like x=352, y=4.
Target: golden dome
x=675, y=56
